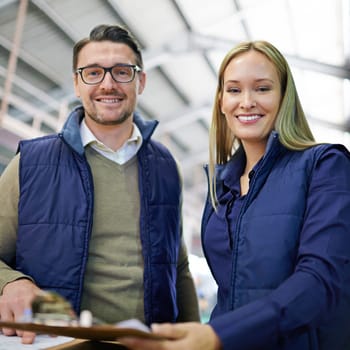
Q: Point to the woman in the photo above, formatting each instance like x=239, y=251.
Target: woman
x=275, y=228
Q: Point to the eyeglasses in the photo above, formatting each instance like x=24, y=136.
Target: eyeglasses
x=121, y=73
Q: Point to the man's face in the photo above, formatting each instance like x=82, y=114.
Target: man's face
x=109, y=102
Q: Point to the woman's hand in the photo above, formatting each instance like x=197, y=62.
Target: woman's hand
x=180, y=336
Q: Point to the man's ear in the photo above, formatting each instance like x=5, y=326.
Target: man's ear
x=75, y=83
x=142, y=82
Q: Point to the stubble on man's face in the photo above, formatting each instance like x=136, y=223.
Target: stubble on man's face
x=102, y=121
x=114, y=114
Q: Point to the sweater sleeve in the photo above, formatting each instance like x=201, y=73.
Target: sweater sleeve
x=186, y=293
x=311, y=295
x=9, y=194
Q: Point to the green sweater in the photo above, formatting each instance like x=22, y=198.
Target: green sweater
x=113, y=285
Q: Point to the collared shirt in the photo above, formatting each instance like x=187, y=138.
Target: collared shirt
x=120, y=156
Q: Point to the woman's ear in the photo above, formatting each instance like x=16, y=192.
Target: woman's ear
x=219, y=102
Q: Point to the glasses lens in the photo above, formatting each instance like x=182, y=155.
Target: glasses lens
x=123, y=74
x=92, y=75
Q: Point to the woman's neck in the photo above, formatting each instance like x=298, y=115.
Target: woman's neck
x=253, y=155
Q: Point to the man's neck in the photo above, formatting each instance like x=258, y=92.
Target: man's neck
x=113, y=136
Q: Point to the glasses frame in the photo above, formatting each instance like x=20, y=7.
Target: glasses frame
x=135, y=68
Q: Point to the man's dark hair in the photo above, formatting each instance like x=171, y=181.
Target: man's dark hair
x=115, y=33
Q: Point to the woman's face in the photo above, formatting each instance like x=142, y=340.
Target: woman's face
x=251, y=97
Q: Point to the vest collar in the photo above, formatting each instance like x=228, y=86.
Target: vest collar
x=71, y=130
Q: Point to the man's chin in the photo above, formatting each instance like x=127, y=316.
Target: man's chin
x=112, y=120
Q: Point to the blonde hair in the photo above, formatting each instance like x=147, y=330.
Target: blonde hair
x=291, y=124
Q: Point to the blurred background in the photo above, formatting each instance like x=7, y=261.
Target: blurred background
x=183, y=44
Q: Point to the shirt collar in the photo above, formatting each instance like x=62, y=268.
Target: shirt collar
x=87, y=137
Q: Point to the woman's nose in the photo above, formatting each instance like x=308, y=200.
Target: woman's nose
x=248, y=100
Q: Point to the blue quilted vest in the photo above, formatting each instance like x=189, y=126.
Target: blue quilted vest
x=56, y=209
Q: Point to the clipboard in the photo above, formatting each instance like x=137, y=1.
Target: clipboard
x=98, y=332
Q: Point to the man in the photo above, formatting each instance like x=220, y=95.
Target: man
x=94, y=212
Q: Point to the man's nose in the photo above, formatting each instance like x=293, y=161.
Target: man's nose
x=108, y=82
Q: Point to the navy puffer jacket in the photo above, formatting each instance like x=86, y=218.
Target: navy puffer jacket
x=290, y=281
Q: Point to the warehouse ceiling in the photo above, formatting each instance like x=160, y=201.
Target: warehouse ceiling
x=183, y=43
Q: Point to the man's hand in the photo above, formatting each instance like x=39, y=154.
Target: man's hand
x=16, y=297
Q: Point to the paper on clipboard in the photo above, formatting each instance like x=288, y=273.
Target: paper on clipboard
x=41, y=342
x=100, y=332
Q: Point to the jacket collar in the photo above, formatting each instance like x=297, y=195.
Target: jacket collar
x=229, y=173
x=71, y=131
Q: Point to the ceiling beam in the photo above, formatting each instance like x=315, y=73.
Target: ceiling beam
x=4, y=3
x=122, y=15
x=12, y=63
x=33, y=62
x=184, y=118
x=35, y=113
x=61, y=24
x=23, y=130
x=32, y=90
x=189, y=42
x=342, y=72
x=243, y=19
